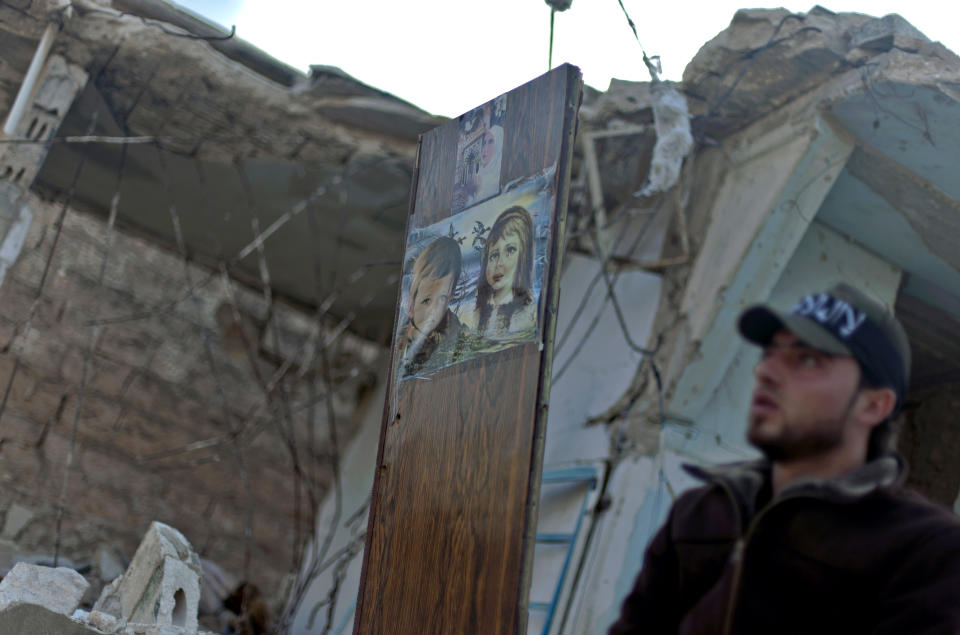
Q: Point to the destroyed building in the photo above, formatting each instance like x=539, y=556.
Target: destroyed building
x=198, y=280
x=200, y=252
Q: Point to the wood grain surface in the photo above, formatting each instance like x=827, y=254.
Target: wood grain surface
x=453, y=506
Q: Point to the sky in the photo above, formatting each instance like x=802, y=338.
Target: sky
x=448, y=56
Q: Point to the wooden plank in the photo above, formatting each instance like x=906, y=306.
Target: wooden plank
x=453, y=506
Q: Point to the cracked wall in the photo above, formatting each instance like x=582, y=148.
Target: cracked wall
x=163, y=426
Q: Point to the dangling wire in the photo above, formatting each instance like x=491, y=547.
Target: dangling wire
x=555, y=5
x=553, y=13
x=654, y=68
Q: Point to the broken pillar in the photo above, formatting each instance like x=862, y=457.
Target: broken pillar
x=161, y=586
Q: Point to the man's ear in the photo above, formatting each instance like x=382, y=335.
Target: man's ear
x=876, y=404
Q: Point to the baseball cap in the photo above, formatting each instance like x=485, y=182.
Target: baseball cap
x=841, y=321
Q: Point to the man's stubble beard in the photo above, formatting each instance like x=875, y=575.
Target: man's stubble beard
x=800, y=440
x=815, y=438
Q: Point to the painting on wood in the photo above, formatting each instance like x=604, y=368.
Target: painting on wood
x=472, y=282
x=452, y=525
x=479, y=154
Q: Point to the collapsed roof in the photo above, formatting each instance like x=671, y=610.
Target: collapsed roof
x=241, y=141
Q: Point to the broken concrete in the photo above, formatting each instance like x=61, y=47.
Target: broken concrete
x=102, y=621
x=58, y=590
x=162, y=585
x=882, y=34
x=26, y=618
x=769, y=57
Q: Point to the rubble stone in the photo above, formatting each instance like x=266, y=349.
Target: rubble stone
x=59, y=590
x=161, y=587
x=882, y=34
x=102, y=621
x=109, y=600
x=24, y=619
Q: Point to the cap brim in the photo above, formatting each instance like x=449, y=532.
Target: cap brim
x=758, y=324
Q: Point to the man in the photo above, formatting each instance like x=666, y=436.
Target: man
x=431, y=338
x=818, y=537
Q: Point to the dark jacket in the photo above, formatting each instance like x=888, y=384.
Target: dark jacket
x=858, y=554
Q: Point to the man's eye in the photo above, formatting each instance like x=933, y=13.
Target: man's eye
x=425, y=301
x=809, y=360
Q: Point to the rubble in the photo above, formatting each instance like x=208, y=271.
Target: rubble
x=29, y=618
x=59, y=590
x=883, y=34
x=162, y=584
x=157, y=595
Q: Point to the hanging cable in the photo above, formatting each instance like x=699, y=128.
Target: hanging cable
x=654, y=68
x=553, y=13
x=555, y=5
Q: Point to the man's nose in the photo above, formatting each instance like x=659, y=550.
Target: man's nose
x=768, y=368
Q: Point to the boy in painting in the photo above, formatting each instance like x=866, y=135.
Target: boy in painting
x=505, y=305
x=430, y=339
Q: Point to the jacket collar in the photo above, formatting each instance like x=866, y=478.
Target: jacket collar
x=745, y=479
x=882, y=472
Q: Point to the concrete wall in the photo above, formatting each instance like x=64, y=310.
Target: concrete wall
x=594, y=367
x=148, y=394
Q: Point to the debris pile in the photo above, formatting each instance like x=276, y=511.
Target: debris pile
x=159, y=594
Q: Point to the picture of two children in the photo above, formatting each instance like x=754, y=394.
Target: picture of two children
x=472, y=282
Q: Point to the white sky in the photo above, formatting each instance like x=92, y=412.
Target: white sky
x=448, y=56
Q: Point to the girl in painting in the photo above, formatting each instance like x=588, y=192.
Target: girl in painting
x=505, y=303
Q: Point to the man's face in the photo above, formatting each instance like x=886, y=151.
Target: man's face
x=430, y=302
x=802, y=399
